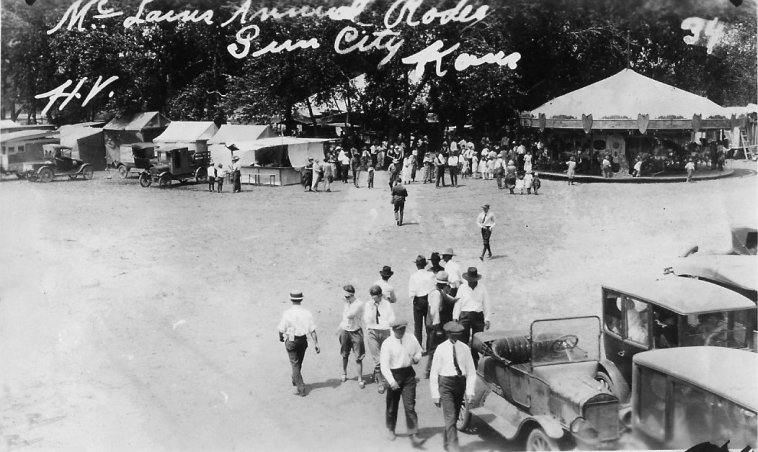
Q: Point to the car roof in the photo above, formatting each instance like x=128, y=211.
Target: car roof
x=727, y=372
x=683, y=295
x=740, y=271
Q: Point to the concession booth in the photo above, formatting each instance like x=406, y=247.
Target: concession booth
x=276, y=160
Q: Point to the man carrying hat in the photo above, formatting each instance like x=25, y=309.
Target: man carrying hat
x=295, y=324
x=452, y=377
x=388, y=292
x=486, y=221
x=420, y=284
x=473, y=308
x=377, y=317
x=399, y=353
x=351, y=334
x=453, y=269
x=440, y=312
x=236, y=174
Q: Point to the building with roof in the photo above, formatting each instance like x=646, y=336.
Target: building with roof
x=137, y=128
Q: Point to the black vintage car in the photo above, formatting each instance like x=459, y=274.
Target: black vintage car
x=176, y=164
x=60, y=163
x=542, y=386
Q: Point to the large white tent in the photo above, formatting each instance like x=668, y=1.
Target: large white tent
x=235, y=133
x=626, y=95
x=298, y=149
x=191, y=134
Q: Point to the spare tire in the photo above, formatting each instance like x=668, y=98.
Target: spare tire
x=516, y=349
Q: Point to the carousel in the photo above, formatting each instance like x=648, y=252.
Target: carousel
x=629, y=116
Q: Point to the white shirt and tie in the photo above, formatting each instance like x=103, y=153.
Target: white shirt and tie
x=378, y=316
x=451, y=360
x=485, y=219
x=399, y=353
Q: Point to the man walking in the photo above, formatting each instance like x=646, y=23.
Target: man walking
x=453, y=269
x=420, y=284
x=452, y=377
x=388, y=292
x=473, y=308
x=377, y=316
x=295, y=324
x=399, y=193
x=486, y=221
x=440, y=312
x=399, y=353
x=351, y=334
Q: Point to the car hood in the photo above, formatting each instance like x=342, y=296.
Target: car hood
x=572, y=381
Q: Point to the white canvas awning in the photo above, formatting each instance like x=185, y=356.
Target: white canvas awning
x=298, y=149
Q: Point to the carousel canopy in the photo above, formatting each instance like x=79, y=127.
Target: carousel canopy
x=627, y=94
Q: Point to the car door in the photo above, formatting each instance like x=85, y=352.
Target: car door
x=626, y=329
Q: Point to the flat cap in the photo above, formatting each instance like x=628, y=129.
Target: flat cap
x=453, y=327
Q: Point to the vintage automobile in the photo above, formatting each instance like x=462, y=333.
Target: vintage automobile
x=744, y=242
x=60, y=163
x=686, y=396
x=668, y=312
x=134, y=158
x=542, y=386
x=735, y=272
x=176, y=164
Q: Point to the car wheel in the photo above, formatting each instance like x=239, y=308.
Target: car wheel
x=45, y=175
x=464, y=417
x=123, y=172
x=164, y=181
x=618, y=388
x=87, y=173
x=538, y=440
x=21, y=176
x=145, y=180
x=201, y=175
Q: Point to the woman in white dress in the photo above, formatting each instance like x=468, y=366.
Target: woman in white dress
x=407, y=169
x=528, y=162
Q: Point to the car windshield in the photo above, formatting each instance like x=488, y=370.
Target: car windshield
x=722, y=329
x=565, y=340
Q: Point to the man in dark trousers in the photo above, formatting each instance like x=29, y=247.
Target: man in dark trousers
x=295, y=325
x=452, y=377
x=399, y=193
x=486, y=221
x=473, y=309
x=236, y=175
x=398, y=355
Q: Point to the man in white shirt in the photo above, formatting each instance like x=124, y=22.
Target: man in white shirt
x=295, y=324
x=441, y=306
x=399, y=353
x=388, y=292
x=452, y=167
x=452, y=376
x=420, y=284
x=473, y=308
x=453, y=269
x=486, y=221
x=377, y=316
x=351, y=334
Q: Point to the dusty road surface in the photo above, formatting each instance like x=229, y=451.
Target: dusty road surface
x=145, y=319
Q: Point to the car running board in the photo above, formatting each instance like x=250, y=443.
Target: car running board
x=496, y=422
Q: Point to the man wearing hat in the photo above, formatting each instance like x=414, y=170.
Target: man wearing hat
x=399, y=193
x=420, y=284
x=473, y=308
x=440, y=312
x=308, y=174
x=351, y=334
x=452, y=377
x=295, y=324
x=435, y=260
x=388, y=292
x=399, y=353
x=453, y=269
x=486, y=221
x=236, y=174
x=377, y=317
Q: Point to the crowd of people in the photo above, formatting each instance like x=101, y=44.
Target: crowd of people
x=448, y=306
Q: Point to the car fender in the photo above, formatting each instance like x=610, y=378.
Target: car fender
x=81, y=169
x=610, y=368
x=549, y=424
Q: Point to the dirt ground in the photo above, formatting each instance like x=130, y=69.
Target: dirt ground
x=145, y=319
